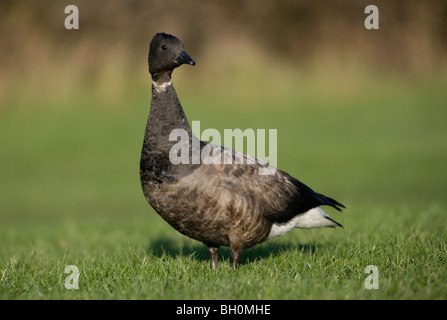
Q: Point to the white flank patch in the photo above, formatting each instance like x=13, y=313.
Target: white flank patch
x=314, y=218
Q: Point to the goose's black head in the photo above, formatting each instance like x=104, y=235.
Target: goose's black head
x=166, y=53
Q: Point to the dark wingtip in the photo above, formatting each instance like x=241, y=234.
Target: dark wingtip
x=336, y=223
x=335, y=204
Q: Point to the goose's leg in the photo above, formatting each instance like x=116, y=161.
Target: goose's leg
x=214, y=255
x=235, y=257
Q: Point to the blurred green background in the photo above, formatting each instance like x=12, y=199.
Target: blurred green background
x=361, y=114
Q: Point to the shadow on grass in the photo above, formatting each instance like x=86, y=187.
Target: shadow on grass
x=174, y=248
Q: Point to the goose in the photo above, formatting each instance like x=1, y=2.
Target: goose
x=219, y=203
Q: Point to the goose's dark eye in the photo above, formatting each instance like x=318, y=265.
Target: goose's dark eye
x=163, y=47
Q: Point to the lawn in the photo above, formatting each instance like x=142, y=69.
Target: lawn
x=70, y=194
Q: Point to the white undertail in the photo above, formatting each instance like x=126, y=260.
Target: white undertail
x=314, y=218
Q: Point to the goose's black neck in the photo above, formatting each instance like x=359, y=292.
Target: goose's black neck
x=166, y=114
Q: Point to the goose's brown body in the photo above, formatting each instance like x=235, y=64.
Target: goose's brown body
x=217, y=204
x=206, y=209
x=222, y=201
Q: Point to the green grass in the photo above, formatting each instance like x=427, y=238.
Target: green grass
x=70, y=195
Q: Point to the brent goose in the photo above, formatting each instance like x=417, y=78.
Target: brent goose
x=219, y=203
